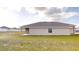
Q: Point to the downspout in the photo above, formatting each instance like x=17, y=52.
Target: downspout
x=73, y=29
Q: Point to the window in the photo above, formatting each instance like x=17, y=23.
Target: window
x=27, y=30
x=50, y=30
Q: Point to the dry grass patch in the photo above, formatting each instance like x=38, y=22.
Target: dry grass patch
x=14, y=41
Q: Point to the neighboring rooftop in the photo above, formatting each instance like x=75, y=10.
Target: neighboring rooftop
x=5, y=27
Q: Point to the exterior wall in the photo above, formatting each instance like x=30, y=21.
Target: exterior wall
x=39, y=32
x=66, y=31
x=55, y=31
x=16, y=30
x=3, y=30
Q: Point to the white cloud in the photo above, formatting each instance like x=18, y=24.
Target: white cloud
x=67, y=15
x=7, y=18
x=41, y=3
x=56, y=13
x=9, y=10
x=11, y=16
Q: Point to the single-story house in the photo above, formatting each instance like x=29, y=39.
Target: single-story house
x=49, y=28
x=4, y=29
x=14, y=29
x=7, y=29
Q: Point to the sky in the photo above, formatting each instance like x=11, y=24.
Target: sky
x=15, y=13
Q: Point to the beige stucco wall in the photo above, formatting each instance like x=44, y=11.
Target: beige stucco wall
x=55, y=31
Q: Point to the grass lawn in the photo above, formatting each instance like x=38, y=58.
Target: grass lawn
x=14, y=41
